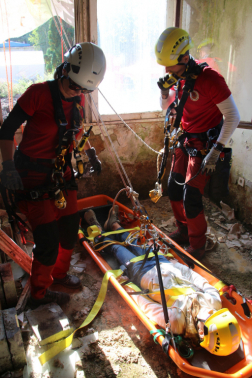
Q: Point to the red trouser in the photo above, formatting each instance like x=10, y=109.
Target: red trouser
x=55, y=234
x=186, y=200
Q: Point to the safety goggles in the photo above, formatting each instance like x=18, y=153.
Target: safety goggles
x=75, y=87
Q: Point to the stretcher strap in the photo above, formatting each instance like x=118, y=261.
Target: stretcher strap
x=63, y=344
x=94, y=231
x=157, y=332
x=219, y=286
x=140, y=258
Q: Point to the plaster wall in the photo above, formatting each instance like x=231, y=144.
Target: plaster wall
x=241, y=173
x=139, y=162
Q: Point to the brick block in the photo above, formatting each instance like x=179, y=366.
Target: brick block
x=5, y=357
x=8, y=285
x=15, y=341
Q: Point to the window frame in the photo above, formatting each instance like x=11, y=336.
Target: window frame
x=174, y=16
x=146, y=116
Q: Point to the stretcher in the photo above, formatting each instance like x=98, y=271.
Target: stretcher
x=203, y=364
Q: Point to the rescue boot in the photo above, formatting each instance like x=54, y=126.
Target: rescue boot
x=50, y=297
x=112, y=218
x=180, y=236
x=69, y=281
x=91, y=219
x=198, y=253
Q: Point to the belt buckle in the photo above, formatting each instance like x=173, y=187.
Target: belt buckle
x=194, y=152
x=34, y=195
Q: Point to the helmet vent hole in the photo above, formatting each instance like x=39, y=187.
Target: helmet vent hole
x=75, y=69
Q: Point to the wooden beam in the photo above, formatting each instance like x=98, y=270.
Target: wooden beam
x=23, y=297
x=10, y=248
x=177, y=16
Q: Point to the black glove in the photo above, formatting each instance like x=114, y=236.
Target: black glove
x=9, y=176
x=93, y=160
x=165, y=83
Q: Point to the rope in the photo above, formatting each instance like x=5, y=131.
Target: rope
x=62, y=26
x=119, y=161
x=62, y=39
x=128, y=186
x=156, y=152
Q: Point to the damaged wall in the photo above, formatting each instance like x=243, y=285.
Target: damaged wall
x=240, y=182
x=138, y=160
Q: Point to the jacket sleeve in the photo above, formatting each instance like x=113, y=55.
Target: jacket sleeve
x=165, y=102
x=210, y=293
x=151, y=309
x=14, y=120
x=232, y=117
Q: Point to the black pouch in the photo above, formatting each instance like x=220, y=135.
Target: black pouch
x=217, y=187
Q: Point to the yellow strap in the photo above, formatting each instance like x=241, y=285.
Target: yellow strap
x=94, y=231
x=63, y=344
x=219, y=285
x=139, y=258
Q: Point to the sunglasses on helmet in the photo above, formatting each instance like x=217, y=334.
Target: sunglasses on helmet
x=75, y=87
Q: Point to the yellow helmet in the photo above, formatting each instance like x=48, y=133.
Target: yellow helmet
x=172, y=43
x=222, y=333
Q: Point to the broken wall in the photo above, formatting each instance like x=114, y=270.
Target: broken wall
x=139, y=162
x=240, y=182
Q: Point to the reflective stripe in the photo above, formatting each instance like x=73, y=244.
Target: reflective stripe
x=219, y=286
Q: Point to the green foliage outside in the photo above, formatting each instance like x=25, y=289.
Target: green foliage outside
x=47, y=38
x=22, y=85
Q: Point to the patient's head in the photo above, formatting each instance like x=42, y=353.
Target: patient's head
x=218, y=331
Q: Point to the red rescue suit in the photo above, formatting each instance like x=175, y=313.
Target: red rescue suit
x=200, y=114
x=54, y=230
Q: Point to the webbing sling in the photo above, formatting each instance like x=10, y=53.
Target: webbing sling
x=63, y=344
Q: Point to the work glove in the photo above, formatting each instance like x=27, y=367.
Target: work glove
x=209, y=162
x=93, y=160
x=9, y=176
x=165, y=83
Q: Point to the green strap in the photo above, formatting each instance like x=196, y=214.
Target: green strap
x=158, y=332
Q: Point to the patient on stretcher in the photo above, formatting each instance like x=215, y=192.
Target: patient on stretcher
x=194, y=306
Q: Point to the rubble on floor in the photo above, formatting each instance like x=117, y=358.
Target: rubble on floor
x=116, y=343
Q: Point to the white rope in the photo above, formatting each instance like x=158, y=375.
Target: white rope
x=156, y=152
x=112, y=145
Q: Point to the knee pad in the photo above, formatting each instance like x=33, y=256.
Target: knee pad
x=68, y=230
x=175, y=191
x=46, y=240
x=192, y=201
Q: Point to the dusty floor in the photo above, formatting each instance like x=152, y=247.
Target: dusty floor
x=124, y=348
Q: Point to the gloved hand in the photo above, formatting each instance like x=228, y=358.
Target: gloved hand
x=93, y=159
x=165, y=83
x=209, y=162
x=9, y=176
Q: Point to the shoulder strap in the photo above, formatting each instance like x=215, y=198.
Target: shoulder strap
x=188, y=87
x=59, y=114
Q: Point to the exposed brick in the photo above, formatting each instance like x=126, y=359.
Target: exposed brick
x=13, y=334
x=5, y=357
x=8, y=285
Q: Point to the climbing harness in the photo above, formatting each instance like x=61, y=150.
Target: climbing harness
x=175, y=136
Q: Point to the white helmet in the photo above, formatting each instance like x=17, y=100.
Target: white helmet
x=86, y=65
